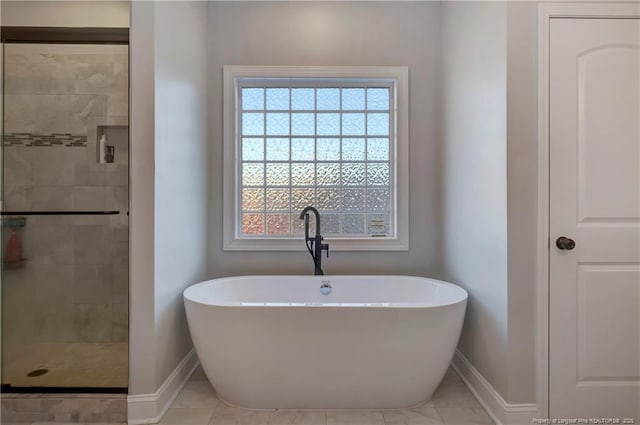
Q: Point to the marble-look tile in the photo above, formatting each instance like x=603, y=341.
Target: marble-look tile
x=346, y=417
x=92, y=245
x=86, y=409
x=117, y=198
x=27, y=72
x=464, y=416
x=120, y=331
x=120, y=282
x=453, y=394
x=84, y=107
x=18, y=167
x=90, y=220
x=196, y=394
x=228, y=415
x=190, y=416
x=93, y=322
x=52, y=113
x=55, y=198
x=417, y=416
x=97, y=77
x=119, y=233
x=19, y=113
x=117, y=174
x=53, y=166
x=92, y=283
x=46, y=241
x=297, y=417
x=90, y=198
x=90, y=173
x=21, y=405
x=120, y=252
x=77, y=364
x=452, y=376
x=118, y=103
x=16, y=198
x=199, y=375
x=22, y=417
x=74, y=423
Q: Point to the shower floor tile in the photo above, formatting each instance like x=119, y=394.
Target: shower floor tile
x=77, y=364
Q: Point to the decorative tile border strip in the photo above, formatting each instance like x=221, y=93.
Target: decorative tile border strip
x=44, y=140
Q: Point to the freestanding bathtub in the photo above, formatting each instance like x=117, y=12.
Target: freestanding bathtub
x=269, y=342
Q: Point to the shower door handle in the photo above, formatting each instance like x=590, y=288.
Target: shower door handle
x=113, y=212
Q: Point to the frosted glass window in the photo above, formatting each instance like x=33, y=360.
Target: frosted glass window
x=328, y=124
x=353, y=175
x=277, y=124
x=252, y=124
x=303, y=99
x=378, y=149
x=302, y=149
x=303, y=174
x=252, y=149
x=278, y=199
x=378, y=124
x=353, y=149
x=303, y=124
x=353, y=99
x=378, y=99
x=252, y=99
x=328, y=149
x=328, y=99
x=278, y=99
x=353, y=124
x=277, y=149
x=328, y=144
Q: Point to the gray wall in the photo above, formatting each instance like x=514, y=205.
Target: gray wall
x=181, y=152
x=142, y=354
x=335, y=33
x=168, y=182
x=490, y=331
x=474, y=137
x=65, y=13
x=522, y=195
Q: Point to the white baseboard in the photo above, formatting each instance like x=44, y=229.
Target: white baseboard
x=501, y=412
x=150, y=408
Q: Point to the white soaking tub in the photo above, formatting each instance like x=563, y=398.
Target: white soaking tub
x=276, y=342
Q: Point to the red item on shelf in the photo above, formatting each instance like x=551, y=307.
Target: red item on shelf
x=13, y=253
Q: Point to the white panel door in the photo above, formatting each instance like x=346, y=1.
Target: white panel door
x=594, y=305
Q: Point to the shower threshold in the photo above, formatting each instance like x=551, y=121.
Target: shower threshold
x=9, y=389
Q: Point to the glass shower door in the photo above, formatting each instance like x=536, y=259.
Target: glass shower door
x=64, y=217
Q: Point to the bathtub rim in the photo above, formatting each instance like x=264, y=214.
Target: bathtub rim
x=462, y=294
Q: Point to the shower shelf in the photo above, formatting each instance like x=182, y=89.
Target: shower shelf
x=11, y=265
x=14, y=221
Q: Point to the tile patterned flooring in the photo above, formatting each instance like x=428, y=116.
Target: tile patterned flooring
x=451, y=404
x=76, y=364
x=197, y=404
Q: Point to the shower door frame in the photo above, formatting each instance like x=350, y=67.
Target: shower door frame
x=59, y=35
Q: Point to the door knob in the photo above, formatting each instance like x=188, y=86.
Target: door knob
x=565, y=243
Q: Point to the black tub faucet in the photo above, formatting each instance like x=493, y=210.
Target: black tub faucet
x=314, y=243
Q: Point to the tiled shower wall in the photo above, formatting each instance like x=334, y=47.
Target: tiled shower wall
x=73, y=284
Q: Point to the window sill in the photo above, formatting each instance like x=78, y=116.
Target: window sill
x=297, y=244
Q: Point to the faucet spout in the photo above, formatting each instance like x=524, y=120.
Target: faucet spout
x=314, y=243
x=305, y=215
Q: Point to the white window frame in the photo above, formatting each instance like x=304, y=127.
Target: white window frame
x=400, y=75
